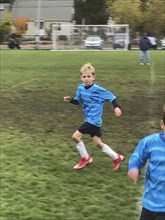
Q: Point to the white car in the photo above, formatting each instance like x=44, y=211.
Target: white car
x=153, y=42
x=163, y=43
x=94, y=42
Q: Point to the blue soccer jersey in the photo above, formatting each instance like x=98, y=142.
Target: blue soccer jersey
x=151, y=148
x=92, y=100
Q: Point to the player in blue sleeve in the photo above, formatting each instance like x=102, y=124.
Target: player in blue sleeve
x=152, y=149
x=92, y=98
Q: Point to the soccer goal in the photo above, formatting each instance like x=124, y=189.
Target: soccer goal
x=87, y=37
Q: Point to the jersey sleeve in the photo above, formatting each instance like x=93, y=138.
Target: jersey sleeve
x=106, y=95
x=78, y=95
x=140, y=155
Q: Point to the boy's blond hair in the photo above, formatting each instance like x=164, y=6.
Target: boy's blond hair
x=87, y=68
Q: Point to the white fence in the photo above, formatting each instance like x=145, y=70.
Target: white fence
x=79, y=37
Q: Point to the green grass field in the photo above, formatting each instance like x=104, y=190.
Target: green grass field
x=37, y=152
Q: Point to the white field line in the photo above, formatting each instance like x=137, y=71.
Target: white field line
x=18, y=85
x=151, y=107
x=151, y=91
x=160, y=76
x=152, y=73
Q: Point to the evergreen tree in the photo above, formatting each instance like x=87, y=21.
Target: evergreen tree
x=144, y=5
x=91, y=12
x=5, y=1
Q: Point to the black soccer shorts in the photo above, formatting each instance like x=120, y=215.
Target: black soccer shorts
x=90, y=129
x=149, y=215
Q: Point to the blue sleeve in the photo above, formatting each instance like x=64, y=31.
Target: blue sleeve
x=139, y=157
x=106, y=95
x=78, y=95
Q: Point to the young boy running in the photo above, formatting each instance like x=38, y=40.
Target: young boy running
x=92, y=98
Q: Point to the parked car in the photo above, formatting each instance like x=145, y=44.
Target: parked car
x=121, y=40
x=94, y=42
x=153, y=42
x=162, y=43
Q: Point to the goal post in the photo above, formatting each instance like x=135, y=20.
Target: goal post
x=83, y=37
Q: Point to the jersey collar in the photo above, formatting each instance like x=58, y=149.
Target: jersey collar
x=88, y=87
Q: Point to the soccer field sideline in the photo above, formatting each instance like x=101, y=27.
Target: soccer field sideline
x=151, y=106
x=151, y=91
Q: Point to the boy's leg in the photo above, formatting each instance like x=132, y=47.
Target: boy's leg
x=117, y=159
x=85, y=157
x=105, y=148
x=80, y=145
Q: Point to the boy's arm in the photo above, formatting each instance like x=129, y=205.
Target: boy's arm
x=67, y=98
x=137, y=160
x=70, y=100
x=74, y=101
x=133, y=174
x=117, y=111
x=117, y=108
x=108, y=96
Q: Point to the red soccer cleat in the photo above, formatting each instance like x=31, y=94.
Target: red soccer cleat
x=117, y=162
x=83, y=163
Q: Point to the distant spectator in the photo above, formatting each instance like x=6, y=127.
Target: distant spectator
x=14, y=41
x=145, y=45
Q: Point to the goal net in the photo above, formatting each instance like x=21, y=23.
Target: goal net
x=83, y=37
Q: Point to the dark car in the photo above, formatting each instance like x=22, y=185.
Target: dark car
x=121, y=40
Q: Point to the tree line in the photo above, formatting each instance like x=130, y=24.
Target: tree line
x=140, y=15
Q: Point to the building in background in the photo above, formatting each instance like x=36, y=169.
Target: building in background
x=43, y=14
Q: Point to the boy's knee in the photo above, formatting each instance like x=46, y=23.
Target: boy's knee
x=99, y=145
x=75, y=138
x=98, y=142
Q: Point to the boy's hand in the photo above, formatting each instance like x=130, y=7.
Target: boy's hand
x=67, y=98
x=133, y=174
x=117, y=112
